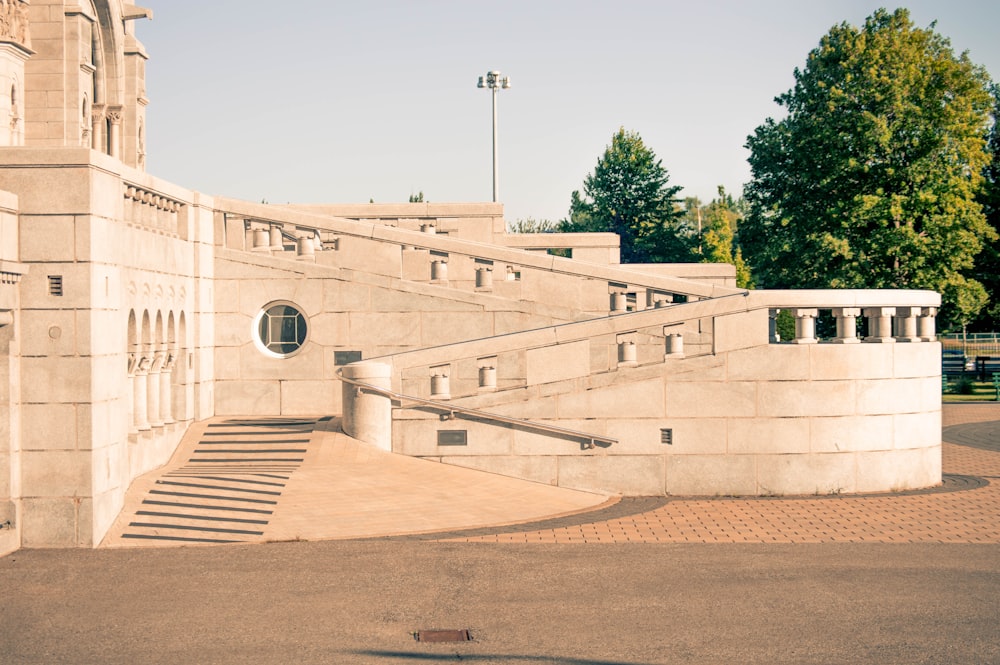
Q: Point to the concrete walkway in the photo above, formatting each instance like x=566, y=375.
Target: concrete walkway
x=336, y=488
x=276, y=479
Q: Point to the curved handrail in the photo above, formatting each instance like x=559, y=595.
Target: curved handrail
x=451, y=409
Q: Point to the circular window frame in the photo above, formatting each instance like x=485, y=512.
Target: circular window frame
x=262, y=345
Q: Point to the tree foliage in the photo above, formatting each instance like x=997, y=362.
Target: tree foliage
x=628, y=194
x=532, y=225
x=988, y=263
x=870, y=181
x=714, y=226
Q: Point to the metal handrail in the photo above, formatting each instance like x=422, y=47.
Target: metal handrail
x=451, y=409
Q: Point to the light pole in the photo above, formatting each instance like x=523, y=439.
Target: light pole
x=494, y=82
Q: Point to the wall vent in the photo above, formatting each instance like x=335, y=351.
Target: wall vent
x=667, y=437
x=455, y=437
x=55, y=285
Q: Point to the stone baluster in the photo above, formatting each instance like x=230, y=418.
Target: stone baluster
x=275, y=241
x=305, y=249
x=439, y=270
x=484, y=277
x=879, y=325
x=139, y=396
x=805, y=326
x=772, y=326
x=261, y=240
x=906, y=324
x=674, y=344
x=926, y=324
x=440, y=383
x=626, y=351
x=488, y=376
x=619, y=302
x=847, y=325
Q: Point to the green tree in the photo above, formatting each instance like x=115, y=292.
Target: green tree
x=717, y=225
x=870, y=180
x=532, y=225
x=417, y=198
x=988, y=263
x=628, y=194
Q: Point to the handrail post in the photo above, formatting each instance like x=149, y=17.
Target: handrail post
x=367, y=414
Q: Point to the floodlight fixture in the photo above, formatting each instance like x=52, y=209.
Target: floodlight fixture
x=495, y=82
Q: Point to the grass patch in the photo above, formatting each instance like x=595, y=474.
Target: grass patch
x=969, y=391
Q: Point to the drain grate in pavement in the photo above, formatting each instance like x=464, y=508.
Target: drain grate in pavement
x=461, y=635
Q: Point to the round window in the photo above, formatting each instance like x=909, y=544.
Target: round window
x=280, y=329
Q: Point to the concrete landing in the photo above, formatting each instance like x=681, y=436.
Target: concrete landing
x=252, y=479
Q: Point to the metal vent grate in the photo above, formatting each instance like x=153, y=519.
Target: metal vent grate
x=667, y=437
x=55, y=285
x=454, y=437
x=442, y=636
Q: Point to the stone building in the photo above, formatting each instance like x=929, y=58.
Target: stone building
x=131, y=307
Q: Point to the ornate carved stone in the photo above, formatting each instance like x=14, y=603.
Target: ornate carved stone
x=14, y=22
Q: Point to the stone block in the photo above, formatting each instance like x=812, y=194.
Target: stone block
x=536, y=468
x=558, y=362
x=307, y=364
x=788, y=399
x=916, y=430
x=828, y=473
x=233, y=329
x=420, y=438
x=768, y=436
x=896, y=470
x=741, y=331
x=640, y=399
x=439, y=328
x=711, y=400
x=56, y=473
x=528, y=441
x=640, y=475
x=49, y=522
x=240, y=398
x=329, y=329
x=308, y=397
x=770, y=362
x=55, y=379
x=47, y=239
x=832, y=362
x=49, y=427
x=917, y=360
x=367, y=329
x=893, y=396
x=227, y=295
x=227, y=363
x=839, y=434
x=49, y=332
x=711, y=475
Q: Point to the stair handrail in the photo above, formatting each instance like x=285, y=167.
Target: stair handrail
x=452, y=409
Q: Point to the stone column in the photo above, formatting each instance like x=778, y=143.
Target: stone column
x=367, y=414
x=805, y=326
x=139, y=397
x=847, y=328
x=153, y=390
x=879, y=325
x=99, y=134
x=166, y=389
x=133, y=362
x=115, y=139
x=926, y=324
x=906, y=324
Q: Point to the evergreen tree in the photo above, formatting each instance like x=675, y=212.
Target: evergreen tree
x=628, y=194
x=870, y=181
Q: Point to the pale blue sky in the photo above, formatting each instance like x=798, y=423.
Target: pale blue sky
x=318, y=101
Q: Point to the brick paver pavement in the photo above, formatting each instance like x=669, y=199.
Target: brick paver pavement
x=962, y=515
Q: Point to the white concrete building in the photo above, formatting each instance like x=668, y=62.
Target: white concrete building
x=131, y=307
